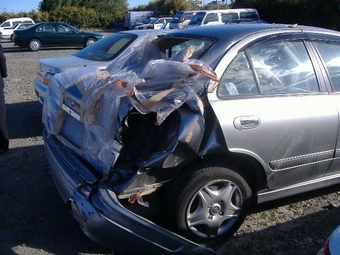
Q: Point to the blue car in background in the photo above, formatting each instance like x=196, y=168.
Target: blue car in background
x=332, y=245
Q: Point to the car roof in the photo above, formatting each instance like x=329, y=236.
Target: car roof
x=227, y=10
x=145, y=31
x=225, y=32
x=233, y=32
x=51, y=22
x=191, y=11
x=227, y=35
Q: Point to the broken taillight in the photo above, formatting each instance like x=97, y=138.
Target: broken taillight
x=47, y=78
x=325, y=249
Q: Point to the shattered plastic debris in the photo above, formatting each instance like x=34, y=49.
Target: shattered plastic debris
x=142, y=79
x=139, y=196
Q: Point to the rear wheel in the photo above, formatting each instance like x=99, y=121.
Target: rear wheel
x=208, y=204
x=34, y=44
x=12, y=38
x=89, y=41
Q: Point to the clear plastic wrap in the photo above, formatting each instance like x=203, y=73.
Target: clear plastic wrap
x=142, y=78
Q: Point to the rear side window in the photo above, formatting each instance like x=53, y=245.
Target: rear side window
x=187, y=16
x=226, y=17
x=211, y=17
x=330, y=54
x=249, y=15
x=275, y=68
x=47, y=28
x=16, y=23
x=238, y=79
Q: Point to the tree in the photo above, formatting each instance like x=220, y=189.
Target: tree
x=104, y=6
x=164, y=7
x=306, y=12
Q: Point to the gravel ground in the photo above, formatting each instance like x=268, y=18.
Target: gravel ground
x=34, y=221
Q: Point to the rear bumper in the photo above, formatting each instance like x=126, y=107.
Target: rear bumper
x=6, y=37
x=40, y=90
x=101, y=216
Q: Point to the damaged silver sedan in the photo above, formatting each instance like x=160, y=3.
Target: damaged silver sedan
x=168, y=148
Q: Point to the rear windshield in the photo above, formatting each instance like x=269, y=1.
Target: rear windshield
x=176, y=48
x=107, y=48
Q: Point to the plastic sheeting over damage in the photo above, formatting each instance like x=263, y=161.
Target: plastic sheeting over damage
x=143, y=78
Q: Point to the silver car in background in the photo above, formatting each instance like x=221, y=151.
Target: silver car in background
x=168, y=148
x=98, y=55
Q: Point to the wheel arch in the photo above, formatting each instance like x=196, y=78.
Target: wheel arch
x=178, y=194
x=249, y=168
x=34, y=38
x=89, y=38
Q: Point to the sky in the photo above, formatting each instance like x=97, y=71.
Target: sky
x=28, y=5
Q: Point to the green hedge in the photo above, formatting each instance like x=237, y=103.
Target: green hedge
x=79, y=17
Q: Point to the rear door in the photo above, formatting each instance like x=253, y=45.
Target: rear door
x=328, y=48
x=273, y=105
x=69, y=36
x=47, y=32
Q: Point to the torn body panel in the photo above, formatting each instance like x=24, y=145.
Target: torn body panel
x=100, y=214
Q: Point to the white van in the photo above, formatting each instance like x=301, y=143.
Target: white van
x=181, y=19
x=214, y=17
x=13, y=21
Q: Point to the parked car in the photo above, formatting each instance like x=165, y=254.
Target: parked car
x=13, y=21
x=181, y=19
x=241, y=21
x=332, y=245
x=217, y=17
x=168, y=152
x=100, y=55
x=155, y=23
x=7, y=33
x=47, y=34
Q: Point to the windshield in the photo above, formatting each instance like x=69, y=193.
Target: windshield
x=176, y=17
x=16, y=25
x=65, y=28
x=6, y=24
x=153, y=21
x=108, y=48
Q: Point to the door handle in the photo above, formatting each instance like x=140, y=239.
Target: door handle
x=246, y=122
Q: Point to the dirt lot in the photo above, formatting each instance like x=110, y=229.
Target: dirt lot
x=34, y=221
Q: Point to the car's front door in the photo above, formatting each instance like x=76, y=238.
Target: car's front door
x=272, y=106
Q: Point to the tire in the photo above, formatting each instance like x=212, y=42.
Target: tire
x=12, y=38
x=89, y=41
x=208, y=204
x=34, y=44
